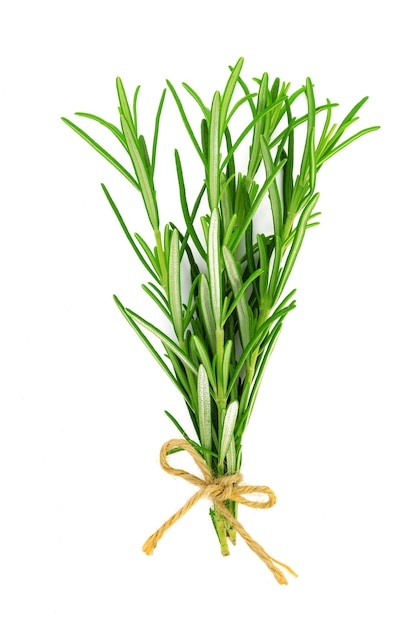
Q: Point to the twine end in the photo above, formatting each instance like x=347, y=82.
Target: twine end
x=148, y=547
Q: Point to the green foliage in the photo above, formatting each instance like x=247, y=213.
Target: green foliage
x=227, y=318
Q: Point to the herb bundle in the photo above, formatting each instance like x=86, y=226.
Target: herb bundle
x=227, y=317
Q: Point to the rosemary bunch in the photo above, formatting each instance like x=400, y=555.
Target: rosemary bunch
x=226, y=319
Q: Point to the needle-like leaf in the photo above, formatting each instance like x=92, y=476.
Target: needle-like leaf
x=213, y=174
x=174, y=286
x=298, y=239
x=124, y=105
x=228, y=429
x=204, y=411
x=127, y=233
x=194, y=94
x=214, y=267
x=102, y=151
x=116, y=132
x=156, y=130
x=142, y=174
x=205, y=360
x=164, y=338
x=228, y=93
x=185, y=120
x=243, y=311
x=206, y=312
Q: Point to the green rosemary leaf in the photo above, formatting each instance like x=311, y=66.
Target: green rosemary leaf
x=230, y=230
x=225, y=307
x=243, y=311
x=250, y=257
x=264, y=266
x=288, y=180
x=347, y=121
x=255, y=205
x=186, y=122
x=246, y=91
x=256, y=339
x=187, y=438
x=149, y=346
x=243, y=421
x=231, y=460
x=311, y=128
x=205, y=138
x=143, y=151
x=227, y=356
x=180, y=428
x=184, y=380
x=247, y=130
x=226, y=202
x=102, y=151
x=167, y=242
x=214, y=268
x=184, y=247
x=116, y=132
x=127, y=233
x=142, y=174
x=213, y=185
x=148, y=253
x=229, y=310
x=308, y=165
x=248, y=97
x=275, y=201
x=275, y=89
x=157, y=302
x=124, y=106
x=206, y=312
x=242, y=200
x=204, y=359
x=159, y=294
x=194, y=94
x=275, y=264
x=205, y=224
x=135, y=108
x=298, y=239
x=192, y=302
x=228, y=430
x=174, y=286
x=204, y=411
x=299, y=121
x=225, y=184
x=230, y=171
x=324, y=133
x=156, y=129
x=228, y=93
x=260, y=127
x=347, y=142
x=184, y=205
x=164, y=338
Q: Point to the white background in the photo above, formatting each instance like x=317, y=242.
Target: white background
x=82, y=402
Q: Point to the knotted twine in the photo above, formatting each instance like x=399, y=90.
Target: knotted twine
x=218, y=489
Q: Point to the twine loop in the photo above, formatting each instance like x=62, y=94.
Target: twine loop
x=218, y=489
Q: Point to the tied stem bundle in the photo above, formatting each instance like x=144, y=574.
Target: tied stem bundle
x=219, y=490
x=220, y=283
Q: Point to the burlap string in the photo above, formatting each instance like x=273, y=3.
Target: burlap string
x=218, y=490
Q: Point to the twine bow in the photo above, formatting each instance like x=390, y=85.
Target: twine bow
x=218, y=490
